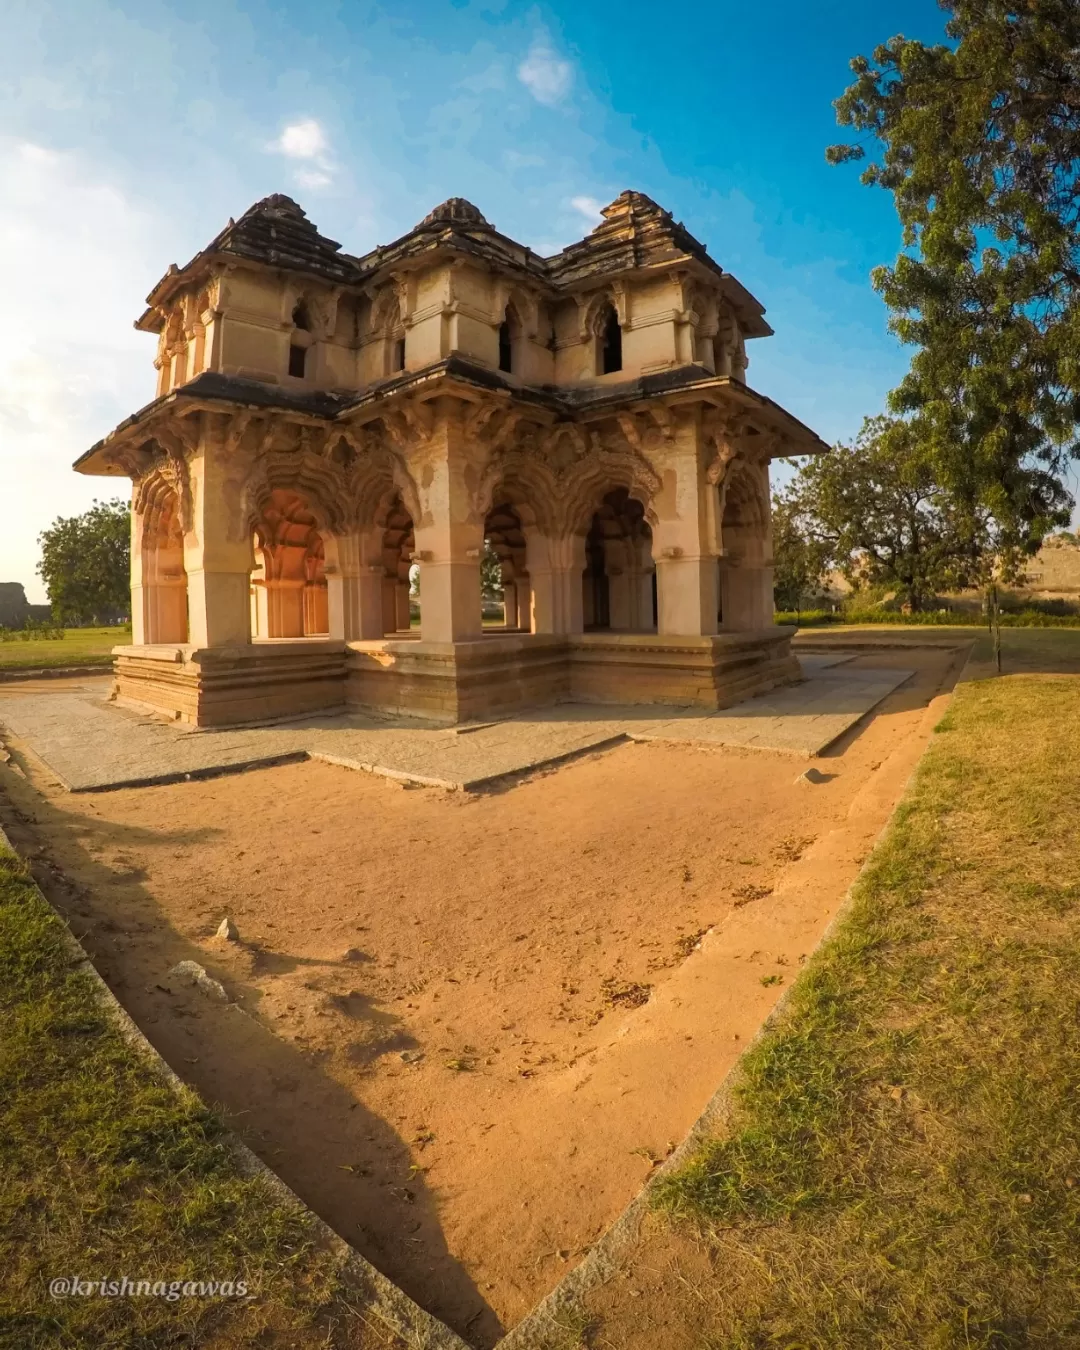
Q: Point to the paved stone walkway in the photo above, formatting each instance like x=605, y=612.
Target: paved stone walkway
x=93, y=746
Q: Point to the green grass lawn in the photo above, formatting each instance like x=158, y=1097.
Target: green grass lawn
x=78, y=647
x=903, y=1164
x=105, y=1171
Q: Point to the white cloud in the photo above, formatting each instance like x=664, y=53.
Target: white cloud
x=306, y=141
x=76, y=258
x=545, y=74
x=302, y=140
x=589, y=207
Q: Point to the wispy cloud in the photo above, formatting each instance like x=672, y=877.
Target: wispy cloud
x=589, y=207
x=307, y=142
x=545, y=74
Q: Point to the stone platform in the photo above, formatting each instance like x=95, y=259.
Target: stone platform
x=493, y=675
x=92, y=745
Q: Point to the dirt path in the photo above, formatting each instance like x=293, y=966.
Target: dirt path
x=464, y=1028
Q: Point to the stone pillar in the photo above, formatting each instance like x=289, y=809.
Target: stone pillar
x=402, y=611
x=524, y=603
x=389, y=603
x=217, y=555
x=683, y=547
x=285, y=607
x=510, y=604
x=746, y=595
x=449, y=533
x=555, y=565
x=316, y=610
x=354, y=577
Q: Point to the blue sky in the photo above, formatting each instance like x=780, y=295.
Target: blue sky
x=130, y=131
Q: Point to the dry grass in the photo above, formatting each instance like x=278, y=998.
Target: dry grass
x=904, y=1162
x=106, y=1171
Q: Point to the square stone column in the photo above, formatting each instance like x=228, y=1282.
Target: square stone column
x=684, y=544
x=218, y=555
x=354, y=578
x=555, y=565
x=449, y=533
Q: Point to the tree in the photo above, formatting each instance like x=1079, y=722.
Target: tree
x=85, y=563
x=800, y=558
x=490, y=573
x=874, y=511
x=980, y=146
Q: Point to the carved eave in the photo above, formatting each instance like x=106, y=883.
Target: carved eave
x=458, y=378
x=742, y=410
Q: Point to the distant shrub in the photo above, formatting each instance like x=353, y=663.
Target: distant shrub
x=33, y=630
x=1028, y=617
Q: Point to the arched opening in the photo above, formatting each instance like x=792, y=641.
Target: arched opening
x=746, y=600
x=504, y=574
x=298, y=346
x=164, y=599
x=288, y=583
x=609, y=341
x=509, y=341
x=619, y=581
x=400, y=584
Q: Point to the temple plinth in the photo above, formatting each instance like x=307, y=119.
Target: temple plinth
x=335, y=438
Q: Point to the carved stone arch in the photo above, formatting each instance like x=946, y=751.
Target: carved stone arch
x=167, y=467
x=375, y=469
x=523, y=303
x=525, y=484
x=320, y=481
x=601, y=474
x=744, y=495
x=387, y=309
x=592, y=308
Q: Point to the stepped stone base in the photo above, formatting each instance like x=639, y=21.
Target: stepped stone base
x=226, y=686
x=449, y=683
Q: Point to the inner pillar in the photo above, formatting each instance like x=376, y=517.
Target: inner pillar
x=555, y=566
x=354, y=573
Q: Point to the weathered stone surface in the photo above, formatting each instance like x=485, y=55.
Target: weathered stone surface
x=93, y=746
x=193, y=973
x=228, y=930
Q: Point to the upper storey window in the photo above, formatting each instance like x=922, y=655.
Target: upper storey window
x=298, y=347
x=610, y=342
x=399, y=354
x=506, y=347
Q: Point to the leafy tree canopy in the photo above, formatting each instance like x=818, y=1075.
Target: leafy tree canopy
x=85, y=563
x=979, y=143
x=874, y=511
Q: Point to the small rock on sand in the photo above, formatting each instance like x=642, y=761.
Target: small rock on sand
x=227, y=929
x=196, y=975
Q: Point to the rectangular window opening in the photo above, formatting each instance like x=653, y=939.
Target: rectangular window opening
x=297, y=361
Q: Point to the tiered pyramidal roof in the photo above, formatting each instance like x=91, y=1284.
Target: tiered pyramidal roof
x=635, y=233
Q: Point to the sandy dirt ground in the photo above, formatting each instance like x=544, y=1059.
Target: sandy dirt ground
x=466, y=1028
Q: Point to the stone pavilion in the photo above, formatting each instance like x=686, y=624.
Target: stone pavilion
x=328, y=427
